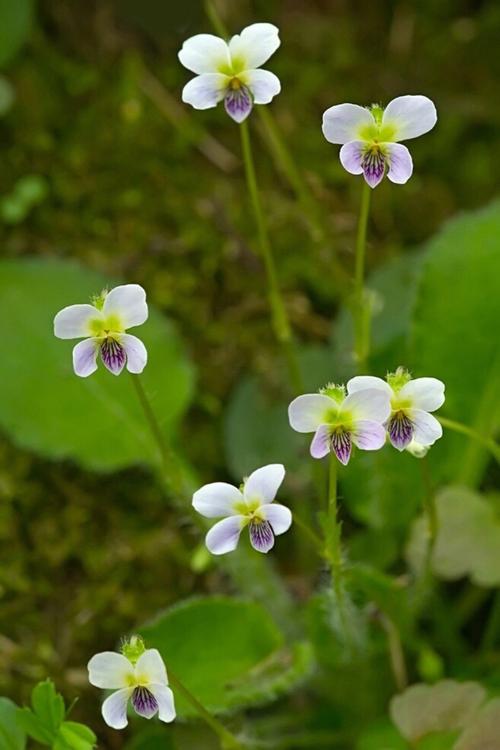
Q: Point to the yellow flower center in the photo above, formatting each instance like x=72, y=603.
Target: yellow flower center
x=104, y=327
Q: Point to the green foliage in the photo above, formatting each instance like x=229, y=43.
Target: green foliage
x=12, y=736
x=16, y=19
x=95, y=421
x=45, y=721
x=228, y=653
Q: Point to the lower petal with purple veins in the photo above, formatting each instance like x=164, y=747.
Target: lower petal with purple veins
x=341, y=445
x=113, y=355
x=144, y=702
x=373, y=166
x=400, y=430
x=261, y=535
x=238, y=103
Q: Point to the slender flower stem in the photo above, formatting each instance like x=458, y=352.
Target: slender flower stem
x=361, y=311
x=463, y=429
x=215, y=19
x=279, y=315
x=396, y=653
x=227, y=740
x=334, y=543
x=492, y=631
x=429, y=507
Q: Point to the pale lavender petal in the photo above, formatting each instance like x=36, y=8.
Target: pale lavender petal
x=238, y=103
x=351, y=156
x=344, y=122
x=410, y=116
x=320, y=444
x=113, y=355
x=144, y=702
x=341, y=443
x=73, y=322
x=137, y=355
x=373, y=164
x=425, y=393
x=110, y=670
x=114, y=709
x=400, y=430
x=427, y=427
x=261, y=536
x=128, y=303
x=85, y=356
x=368, y=435
x=307, y=412
x=151, y=668
x=400, y=163
x=165, y=700
x=264, y=483
x=279, y=516
x=263, y=84
x=217, y=499
x=205, y=91
x=254, y=46
x=224, y=536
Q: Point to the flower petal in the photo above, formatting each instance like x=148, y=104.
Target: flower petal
x=216, y=499
x=374, y=164
x=321, y=441
x=425, y=393
x=264, y=483
x=114, y=709
x=341, y=442
x=351, y=157
x=109, y=670
x=224, y=536
x=370, y=403
x=279, y=516
x=253, y=46
x=85, y=357
x=137, y=355
x=362, y=382
x=150, y=667
x=205, y=53
x=400, y=430
x=343, y=122
x=73, y=322
x=261, y=536
x=113, y=355
x=307, y=412
x=410, y=115
x=368, y=435
x=144, y=702
x=263, y=84
x=128, y=303
x=205, y=91
x=427, y=429
x=400, y=163
x=165, y=699
x=238, y=103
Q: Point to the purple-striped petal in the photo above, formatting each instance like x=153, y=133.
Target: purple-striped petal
x=84, y=357
x=400, y=163
x=261, y=536
x=369, y=435
x=373, y=167
x=320, y=445
x=144, y=702
x=113, y=355
x=238, y=103
x=351, y=156
x=341, y=445
x=400, y=429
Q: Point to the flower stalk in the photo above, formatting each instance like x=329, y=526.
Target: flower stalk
x=334, y=544
x=361, y=312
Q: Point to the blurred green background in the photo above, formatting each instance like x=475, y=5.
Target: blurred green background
x=102, y=164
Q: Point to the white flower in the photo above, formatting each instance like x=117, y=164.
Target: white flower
x=339, y=420
x=103, y=325
x=370, y=136
x=140, y=678
x=251, y=506
x=411, y=402
x=229, y=71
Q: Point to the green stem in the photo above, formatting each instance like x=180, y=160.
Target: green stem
x=361, y=311
x=227, y=740
x=334, y=543
x=429, y=507
x=215, y=19
x=463, y=429
x=492, y=630
x=279, y=315
x=396, y=653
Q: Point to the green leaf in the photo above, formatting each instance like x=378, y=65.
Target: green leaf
x=227, y=652
x=16, y=20
x=34, y=726
x=457, y=309
x=75, y=736
x=381, y=736
x=48, y=705
x=468, y=538
x=46, y=408
x=12, y=735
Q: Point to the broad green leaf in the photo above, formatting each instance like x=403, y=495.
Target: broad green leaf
x=16, y=19
x=482, y=733
x=46, y=408
x=34, y=727
x=75, y=736
x=456, y=314
x=48, y=705
x=442, y=707
x=381, y=736
x=468, y=538
x=227, y=652
x=12, y=735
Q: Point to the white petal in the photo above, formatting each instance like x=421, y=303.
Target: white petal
x=109, y=670
x=279, y=516
x=224, y=536
x=351, y=156
x=410, y=115
x=426, y=427
x=217, y=499
x=362, y=382
x=400, y=163
x=128, y=302
x=165, y=699
x=85, y=356
x=343, y=122
x=205, y=53
x=264, y=483
x=370, y=403
x=205, y=91
x=253, y=46
x=425, y=393
x=137, y=355
x=307, y=412
x=263, y=84
x=73, y=322
x=150, y=667
x=368, y=435
x=114, y=709
x=320, y=444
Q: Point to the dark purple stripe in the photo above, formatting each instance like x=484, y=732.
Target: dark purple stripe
x=261, y=535
x=341, y=445
x=113, y=355
x=144, y=702
x=238, y=103
x=400, y=430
